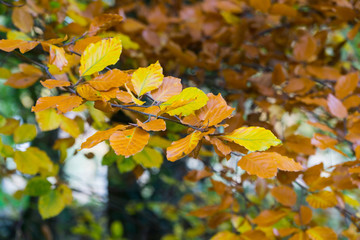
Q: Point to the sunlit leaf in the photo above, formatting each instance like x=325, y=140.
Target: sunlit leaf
x=100, y=136
x=184, y=146
x=51, y=83
x=129, y=142
x=99, y=55
x=32, y=161
x=323, y=199
x=147, y=79
x=62, y=103
x=185, y=103
x=10, y=45
x=253, y=138
x=321, y=233
x=111, y=79
x=153, y=125
x=170, y=86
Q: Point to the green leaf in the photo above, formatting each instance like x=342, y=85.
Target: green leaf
x=51, y=204
x=2, y=121
x=125, y=164
x=37, y=186
x=149, y=157
x=116, y=229
x=109, y=158
x=25, y=133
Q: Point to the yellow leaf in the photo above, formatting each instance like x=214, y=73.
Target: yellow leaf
x=225, y=235
x=129, y=142
x=253, y=138
x=99, y=55
x=48, y=119
x=10, y=126
x=32, y=161
x=25, y=133
x=265, y=164
x=70, y=126
x=66, y=194
x=146, y=79
x=51, y=204
x=133, y=98
x=184, y=146
x=185, y=103
x=321, y=233
x=149, y=158
x=323, y=199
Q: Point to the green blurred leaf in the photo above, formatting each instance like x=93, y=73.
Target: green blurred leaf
x=125, y=164
x=25, y=133
x=51, y=204
x=149, y=157
x=37, y=186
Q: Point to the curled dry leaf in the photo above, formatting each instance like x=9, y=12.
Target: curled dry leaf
x=184, y=146
x=57, y=57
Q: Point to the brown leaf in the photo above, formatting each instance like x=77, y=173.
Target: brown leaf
x=346, y=85
x=22, y=18
x=336, y=107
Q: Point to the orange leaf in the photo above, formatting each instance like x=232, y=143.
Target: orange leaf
x=153, y=125
x=304, y=216
x=284, y=195
x=323, y=142
x=346, y=85
x=102, y=22
x=261, y=5
x=123, y=96
x=321, y=233
x=111, y=79
x=196, y=175
x=305, y=48
x=323, y=199
x=283, y=10
x=265, y=164
x=170, y=86
x=100, y=136
x=22, y=18
x=352, y=33
x=87, y=92
x=81, y=44
x=336, y=107
x=129, y=142
x=220, y=145
x=278, y=75
x=215, y=110
x=184, y=146
x=51, y=83
x=62, y=103
x=269, y=217
x=321, y=126
x=10, y=45
x=57, y=57
x=27, y=76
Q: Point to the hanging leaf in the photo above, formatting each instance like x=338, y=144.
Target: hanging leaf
x=51, y=204
x=284, y=195
x=265, y=164
x=99, y=55
x=57, y=57
x=32, y=161
x=149, y=158
x=129, y=142
x=170, y=86
x=323, y=199
x=51, y=83
x=185, y=103
x=62, y=103
x=321, y=233
x=184, y=146
x=336, y=107
x=70, y=126
x=24, y=133
x=253, y=138
x=304, y=216
x=147, y=79
x=48, y=119
x=153, y=125
x=215, y=110
x=111, y=79
x=269, y=217
x=10, y=45
x=100, y=136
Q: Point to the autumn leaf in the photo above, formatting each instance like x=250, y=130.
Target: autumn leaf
x=170, y=86
x=24, y=133
x=149, y=158
x=100, y=136
x=62, y=103
x=153, y=125
x=32, y=160
x=336, y=107
x=304, y=216
x=265, y=164
x=147, y=79
x=185, y=103
x=22, y=18
x=129, y=142
x=284, y=195
x=261, y=5
x=269, y=217
x=99, y=55
x=102, y=22
x=51, y=204
x=253, y=138
x=323, y=199
x=111, y=79
x=10, y=45
x=215, y=110
x=346, y=85
x=184, y=146
x=57, y=57
x=305, y=48
x=48, y=119
x=27, y=76
x=321, y=233
x=51, y=83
